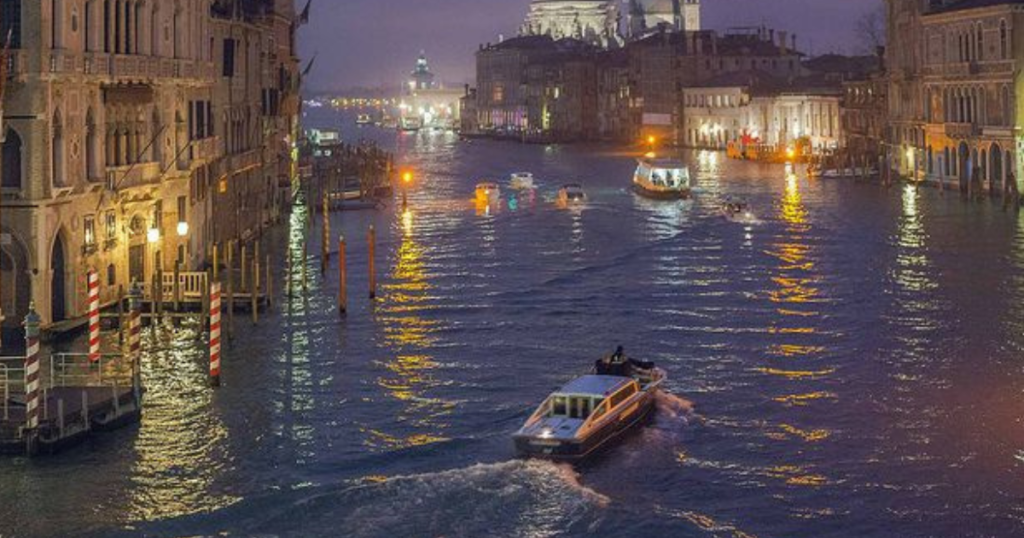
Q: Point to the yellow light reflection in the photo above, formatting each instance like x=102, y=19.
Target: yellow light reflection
x=409, y=338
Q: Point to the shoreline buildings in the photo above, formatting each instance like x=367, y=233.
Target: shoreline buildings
x=654, y=73
x=136, y=135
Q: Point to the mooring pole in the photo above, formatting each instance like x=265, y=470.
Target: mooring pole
x=32, y=322
x=215, y=348
x=342, y=278
x=94, y=317
x=372, y=238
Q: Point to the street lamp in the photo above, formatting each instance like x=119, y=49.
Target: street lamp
x=182, y=229
x=153, y=235
x=406, y=181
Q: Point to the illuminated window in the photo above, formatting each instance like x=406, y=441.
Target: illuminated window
x=90, y=230
x=111, y=225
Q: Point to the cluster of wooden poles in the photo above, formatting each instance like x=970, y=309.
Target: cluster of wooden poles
x=215, y=297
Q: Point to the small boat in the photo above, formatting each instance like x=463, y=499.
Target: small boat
x=846, y=173
x=410, y=124
x=738, y=212
x=488, y=192
x=662, y=179
x=521, y=181
x=571, y=193
x=591, y=411
x=363, y=119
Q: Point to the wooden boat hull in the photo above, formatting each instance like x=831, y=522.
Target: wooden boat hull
x=660, y=195
x=577, y=450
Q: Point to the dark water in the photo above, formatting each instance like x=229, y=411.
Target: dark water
x=853, y=362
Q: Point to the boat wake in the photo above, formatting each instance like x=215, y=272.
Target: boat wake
x=674, y=407
x=513, y=498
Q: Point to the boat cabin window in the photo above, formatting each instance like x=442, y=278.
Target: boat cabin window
x=600, y=408
x=623, y=394
x=558, y=406
x=578, y=407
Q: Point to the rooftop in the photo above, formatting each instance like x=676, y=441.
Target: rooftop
x=594, y=385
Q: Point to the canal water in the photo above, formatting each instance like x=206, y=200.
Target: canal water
x=850, y=365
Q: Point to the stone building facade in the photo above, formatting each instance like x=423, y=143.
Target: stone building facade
x=953, y=86
x=118, y=121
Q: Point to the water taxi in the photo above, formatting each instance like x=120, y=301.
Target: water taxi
x=570, y=194
x=592, y=411
x=488, y=192
x=521, y=181
x=363, y=119
x=662, y=179
x=410, y=124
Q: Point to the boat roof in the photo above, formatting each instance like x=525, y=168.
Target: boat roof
x=595, y=385
x=663, y=163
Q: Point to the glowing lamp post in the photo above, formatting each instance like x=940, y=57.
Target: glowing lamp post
x=406, y=181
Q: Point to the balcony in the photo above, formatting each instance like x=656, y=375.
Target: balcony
x=138, y=175
x=205, y=150
x=118, y=67
x=962, y=130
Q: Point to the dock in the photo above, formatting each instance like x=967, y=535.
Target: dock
x=79, y=399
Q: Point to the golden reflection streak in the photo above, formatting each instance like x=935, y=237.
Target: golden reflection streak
x=176, y=451
x=409, y=335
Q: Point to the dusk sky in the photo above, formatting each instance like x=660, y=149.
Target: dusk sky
x=375, y=42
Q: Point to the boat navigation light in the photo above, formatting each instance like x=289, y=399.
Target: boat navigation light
x=547, y=433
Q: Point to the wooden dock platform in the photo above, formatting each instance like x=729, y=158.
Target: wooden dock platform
x=78, y=400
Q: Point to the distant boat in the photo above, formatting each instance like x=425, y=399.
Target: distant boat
x=488, y=192
x=662, y=179
x=570, y=194
x=591, y=411
x=363, y=119
x=521, y=181
x=410, y=124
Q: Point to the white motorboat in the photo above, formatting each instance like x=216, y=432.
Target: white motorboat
x=591, y=411
x=488, y=192
x=738, y=212
x=570, y=194
x=522, y=181
x=662, y=179
x=363, y=119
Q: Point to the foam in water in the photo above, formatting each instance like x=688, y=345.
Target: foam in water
x=672, y=406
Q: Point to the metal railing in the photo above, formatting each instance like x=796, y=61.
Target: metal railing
x=76, y=370
x=12, y=377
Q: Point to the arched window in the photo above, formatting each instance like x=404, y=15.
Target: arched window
x=58, y=177
x=10, y=21
x=12, y=160
x=91, y=147
x=154, y=30
x=57, y=23
x=87, y=26
x=1007, y=106
x=1004, y=45
x=980, y=55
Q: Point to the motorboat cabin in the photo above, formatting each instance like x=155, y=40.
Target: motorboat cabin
x=662, y=179
x=590, y=411
x=522, y=181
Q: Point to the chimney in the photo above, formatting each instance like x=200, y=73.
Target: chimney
x=714, y=44
x=782, y=42
x=771, y=35
x=794, y=43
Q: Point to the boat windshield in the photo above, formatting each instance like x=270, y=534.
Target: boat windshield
x=578, y=407
x=669, y=177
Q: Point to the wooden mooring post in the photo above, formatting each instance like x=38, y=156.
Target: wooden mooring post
x=372, y=239
x=231, y=290
x=342, y=278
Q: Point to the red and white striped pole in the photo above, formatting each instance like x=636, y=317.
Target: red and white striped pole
x=32, y=322
x=135, y=323
x=215, y=334
x=94, y=317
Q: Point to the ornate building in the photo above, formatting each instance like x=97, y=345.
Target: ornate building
x=593, y=21
x=953, y=84
x=131, y=126
x=675, y=15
